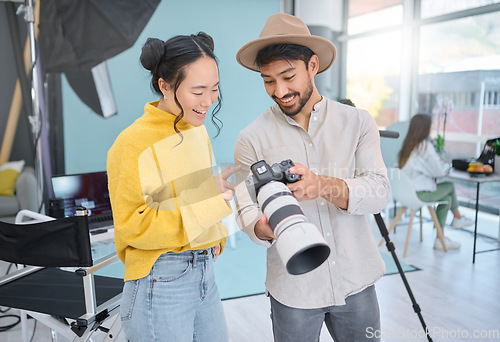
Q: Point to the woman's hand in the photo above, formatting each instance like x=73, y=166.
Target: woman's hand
x=216, y=251
x=226, y=188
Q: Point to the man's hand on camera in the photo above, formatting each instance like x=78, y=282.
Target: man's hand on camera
x=263, y=230
x=309, y=185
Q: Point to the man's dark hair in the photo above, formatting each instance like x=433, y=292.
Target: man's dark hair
x=285, y=52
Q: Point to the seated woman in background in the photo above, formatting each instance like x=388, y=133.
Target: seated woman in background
x=420, y=161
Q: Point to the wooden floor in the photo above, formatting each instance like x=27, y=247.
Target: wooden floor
x=460, y=301
x=457, y=298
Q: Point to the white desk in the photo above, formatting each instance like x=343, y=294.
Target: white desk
x=106, y=234
x=464, y=176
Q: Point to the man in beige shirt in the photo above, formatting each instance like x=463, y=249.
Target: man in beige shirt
x=336, y=151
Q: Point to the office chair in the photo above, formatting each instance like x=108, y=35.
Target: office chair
x=404, y=193
x=390, y=149
x=57, y=285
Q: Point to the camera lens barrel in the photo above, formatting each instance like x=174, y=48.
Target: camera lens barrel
x=278, y=204
x=300, y=245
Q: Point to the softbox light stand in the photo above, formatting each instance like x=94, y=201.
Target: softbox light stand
x=390, y=247
x=35, y=119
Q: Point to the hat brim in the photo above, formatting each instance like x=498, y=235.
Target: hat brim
x=322, y=47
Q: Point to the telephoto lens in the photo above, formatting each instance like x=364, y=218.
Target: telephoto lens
x=299, y=243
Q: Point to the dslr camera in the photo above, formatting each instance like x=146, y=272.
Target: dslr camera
x=300, y=245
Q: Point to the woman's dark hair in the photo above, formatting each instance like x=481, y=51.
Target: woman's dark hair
x=418, y=131
x=168, y=60
x=285, y=52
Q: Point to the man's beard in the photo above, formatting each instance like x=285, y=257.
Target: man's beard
x=290, y=111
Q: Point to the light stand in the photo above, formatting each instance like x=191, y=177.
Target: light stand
x=390, y=247
x=35, y=118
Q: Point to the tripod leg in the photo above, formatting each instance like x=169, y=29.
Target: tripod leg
x=391, y=249
x=394, y=223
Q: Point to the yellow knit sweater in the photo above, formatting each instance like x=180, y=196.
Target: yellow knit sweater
x=162, y=191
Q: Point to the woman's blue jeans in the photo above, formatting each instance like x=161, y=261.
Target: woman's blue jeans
x=178, y=301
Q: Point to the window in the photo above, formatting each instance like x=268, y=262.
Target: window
x=445, y=62
x=459, y=81
x=454, y=61
x=373, y=57
x=373, y=68
x=379, y=15
x=431, y=8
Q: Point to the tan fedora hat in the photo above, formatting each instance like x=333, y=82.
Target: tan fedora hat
x=283, y=28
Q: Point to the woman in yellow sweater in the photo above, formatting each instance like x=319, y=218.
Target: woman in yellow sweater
x=167, y=205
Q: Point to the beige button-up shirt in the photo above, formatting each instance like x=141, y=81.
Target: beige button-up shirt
x=341, y=142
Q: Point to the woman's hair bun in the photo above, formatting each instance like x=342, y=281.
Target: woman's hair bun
x=152, y=53
x=206, y=39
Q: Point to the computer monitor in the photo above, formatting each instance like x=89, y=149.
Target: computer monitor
x=89, y=190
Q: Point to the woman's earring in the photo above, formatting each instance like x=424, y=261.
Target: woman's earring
x=165, y=97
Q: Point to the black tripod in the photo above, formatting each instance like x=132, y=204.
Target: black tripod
x=391, y=249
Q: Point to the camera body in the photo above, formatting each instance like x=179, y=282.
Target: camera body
x=263, y=174
x=299, y=243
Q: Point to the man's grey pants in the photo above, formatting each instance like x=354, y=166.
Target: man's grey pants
x=358, y=320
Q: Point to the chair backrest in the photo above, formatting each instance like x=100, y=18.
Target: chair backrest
x=390, y=147
x=403, y=190
x=62, y=242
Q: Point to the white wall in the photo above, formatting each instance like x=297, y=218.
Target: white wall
x=320, y=13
